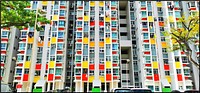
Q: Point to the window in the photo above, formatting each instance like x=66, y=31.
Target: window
x=149, y=13
x=145, y=35
x=23, y=34
x=144, y=14
x=178, y=71
x=154, y=58
x=101, y=72
x=78, y=46
x=55, y=12
x=162, y=38
x=85, y=58
x=108, y=58
x=107, y=35
x=91, y=72
x=164, y=50
x=22, y=46
x=60, y=34
x=179, y=25
x=20, y=58
x=54, y=34
x=146, y=46
x=59, y=58
x=60, y=46
x=108, y=71
x=2, y=72
x=79, y=13
x=167, y=73
x=19, y=72
x=155, y=71
x=114, y=46
x=176, y=3
x=51, y=70
x=79, y=24
x=170, y=13
x=114, y=24
x=192, y=4
x=85, y=49
x=61, y=23
x=143, y=3
x=62, y=12
x=62, y=2
x=148, y=59
x=3, y=46
x=58, y=71
x=149, y=71
x=150, y=87
x=28, y=58
x=79, y=35
x=156, y=88
x=3, y=58
x=107, y=49
x=4, y=34
x=177, y=14
x=149, y=6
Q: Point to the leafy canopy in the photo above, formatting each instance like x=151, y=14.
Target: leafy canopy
x=15, y=13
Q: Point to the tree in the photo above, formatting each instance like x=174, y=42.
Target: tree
x=184, y=36
x=14, y=13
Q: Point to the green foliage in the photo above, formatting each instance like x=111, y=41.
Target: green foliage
x=13, y=13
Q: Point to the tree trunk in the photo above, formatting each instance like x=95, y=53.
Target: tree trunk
x=189, y=55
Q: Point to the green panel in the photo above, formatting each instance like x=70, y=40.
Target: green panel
x=37, y=90
x=96, y=90
x=166, y=89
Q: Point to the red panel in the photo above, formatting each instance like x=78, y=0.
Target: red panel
x=18, y=78
x=184, y=65
x=38, y=66
x=101, y=66
x=179, y=76
x=61, y=17
x=177, y=18
x=114, y=29
x=80, y=28
x=91, y=66
x=113, y=18
x=50, y=77
x=114, y=52
x=145, y=29
x=182, y=53
x=60, y=40
x=149, y=77
x=46, y=66
x=57, y=77
x=114, y=40
x=23, y=40
x=79, y=52
x=101, y=23
x=161, y=23
x=146, y=41
x=108, y=77
x=156, y=77
x=166, y=67
x=92, y=23
x=58, y=64
x=114, y=64
x=143, y=8
x=25, y=28
x=147, y=53
x=193, y=8
x=78, y=77
x=22, y=52
x=84, y=77
x=78, y=64
x=113, y=8
x=28, y=7
x=62, y=6
x=4, y=39
x=186, y=78
x=115, y=77
x=197, y=53
x=80, y=18
x=0, y=78
x=80, y=7
x=61, y=28
x=79, y=40
x=19, y=86
x=2, y=64
x=176, y=8
x=25, y=77
x=20, y=64
x=6, y=28
x=59, y=52
x=144, y=18
x=148, y=65
x=3, y=51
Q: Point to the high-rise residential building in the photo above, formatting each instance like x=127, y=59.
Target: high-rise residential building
x=101, y=45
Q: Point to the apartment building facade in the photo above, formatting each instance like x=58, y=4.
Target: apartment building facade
x=103, y=45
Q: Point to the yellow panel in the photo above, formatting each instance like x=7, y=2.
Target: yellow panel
x=153, y=41
x=51, y=64
x=86, y=18
x=164, y=45
x=107, y=19
x=159, y=4
x=178, y=64
x=53, y=40
x=49, y=44
x=44, y=2
x=92, y=44
x=30, y=40
x=150, y=18
x=36, y=78
x=52, y=2
x=102, y=78
x=55, y=17
x=85, y=64
x=101, y=44
x=91, y=78
x=27, y=64
x=101, y=3
x=108, y=40
x=168, y=78
x=92, y=3
x=155, y=64
x=85, y=40
x=108, y=64
x=171, y=19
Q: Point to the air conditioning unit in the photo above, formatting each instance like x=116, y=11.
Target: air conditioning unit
x=133, y=25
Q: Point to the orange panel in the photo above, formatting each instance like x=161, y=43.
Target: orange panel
x=49, y=43
x=101, y=44
x=92, y=44
x=40, y=44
